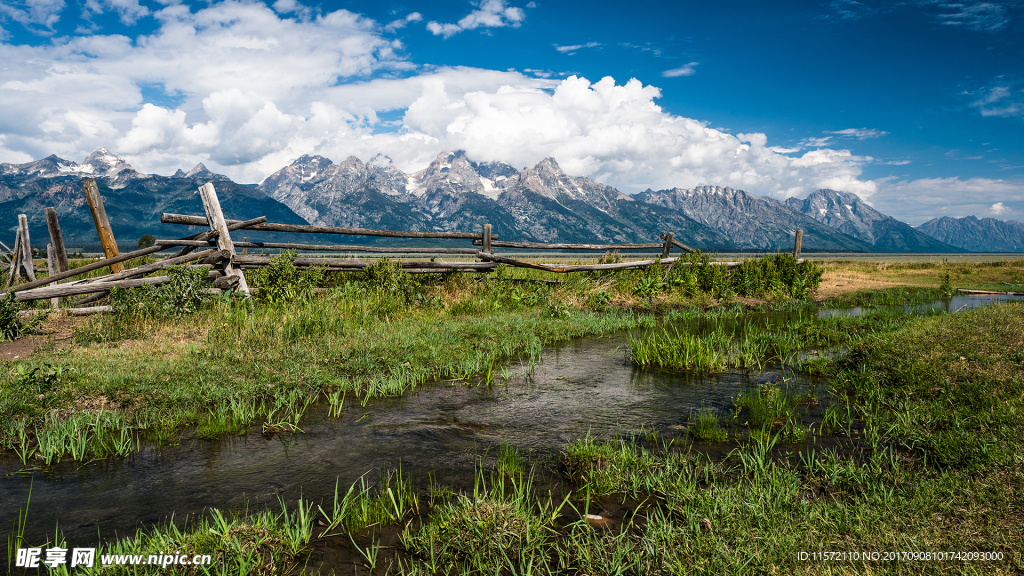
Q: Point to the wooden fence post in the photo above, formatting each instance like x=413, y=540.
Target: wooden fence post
x=12, y=272
x=57, y=240
x=216, y=219
x=51, y=270
x=668, y=245
x=796, y=243
x=487, y=239
x=99, y=217
x=245, y=251
x=26, y=248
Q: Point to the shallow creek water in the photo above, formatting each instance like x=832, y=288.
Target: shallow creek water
x=442, y=428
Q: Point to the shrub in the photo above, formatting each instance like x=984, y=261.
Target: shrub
x=280, y=281
x=146, y=241
x=393, y=287
x=9, y=325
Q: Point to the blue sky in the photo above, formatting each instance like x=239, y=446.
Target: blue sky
x=916, y=106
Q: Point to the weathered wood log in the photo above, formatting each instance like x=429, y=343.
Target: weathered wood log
x=560, y=246
x=668, y=244
x=253, y=261
x=73, y=289
x=205, y=236
x=187, y=220
x=12, y=273
x=99, y=218
x=153, y=267
x=215, y=216
x=679, y=245
x=486, y=242
x=68, y=311
x=325, y=247
x=564, y=269
x=218, y=256
x=225, y=282
x=797, y=242
x=53, y=226
x=87, y=268
x=27, y=263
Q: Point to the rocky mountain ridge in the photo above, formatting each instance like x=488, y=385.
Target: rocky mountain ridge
x=847, y=213
x=454, y=193
x=751, y=221
x=977, y=234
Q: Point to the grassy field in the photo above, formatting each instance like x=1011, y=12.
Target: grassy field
x=919, y=448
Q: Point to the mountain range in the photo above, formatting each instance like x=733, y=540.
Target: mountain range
x=978, y=235
x=452, y=193
x=852, y=216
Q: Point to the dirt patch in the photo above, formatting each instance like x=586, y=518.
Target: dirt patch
x=836, y=284
x=20, y=349
x=55, y=329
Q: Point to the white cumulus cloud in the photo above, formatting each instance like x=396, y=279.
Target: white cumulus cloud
x=31, y=13
x=916, y=201
x=489, y=14
x=400, y=23
x=859, y=133
x=688, y=70
x=571, y=49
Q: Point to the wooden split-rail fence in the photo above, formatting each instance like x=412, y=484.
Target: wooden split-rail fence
x=215, y=251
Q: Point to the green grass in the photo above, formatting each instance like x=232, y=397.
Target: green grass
x=926, y=457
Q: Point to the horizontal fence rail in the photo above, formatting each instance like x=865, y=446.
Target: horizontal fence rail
x=311, y=229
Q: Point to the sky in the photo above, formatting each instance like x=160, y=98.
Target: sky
x=916, y=106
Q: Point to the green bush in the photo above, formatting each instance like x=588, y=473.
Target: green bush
x=393, y=288
x=281, y=282
x=146, y=241
x=9, y=325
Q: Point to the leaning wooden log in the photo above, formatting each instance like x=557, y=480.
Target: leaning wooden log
x=215, y=216
x=67, y=311
x=679, y=244
x=12, y=274
x=212, y=234
x=153, y=267
x=62, y=290
x=667, y=237
x=99, y=218
x=326, y=247
x=218, y=256
x=186, y=220
x=558, y=246
x=53, y=226
x=26, y=248
x=87, y=268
